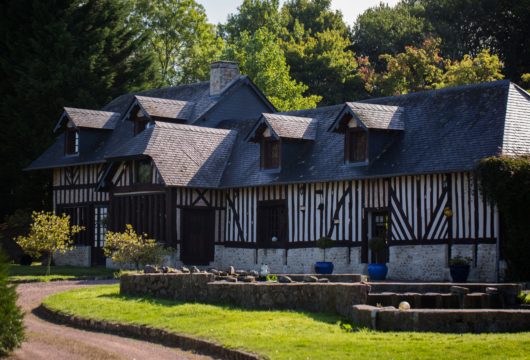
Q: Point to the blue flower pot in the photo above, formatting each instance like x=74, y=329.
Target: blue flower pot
x=324, y=267
x=377, y=272
x=459, y=273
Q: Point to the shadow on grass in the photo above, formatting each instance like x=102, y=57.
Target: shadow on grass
x=327, y=318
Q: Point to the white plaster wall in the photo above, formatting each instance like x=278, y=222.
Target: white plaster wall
x=79, y=256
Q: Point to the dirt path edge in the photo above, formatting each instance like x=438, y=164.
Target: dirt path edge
x=143, y=332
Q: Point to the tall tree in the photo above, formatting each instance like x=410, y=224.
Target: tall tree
x=180, y=36
x=424, y=68
x=261, y=57
x=251, y=16
x=387, y=30
x=324, y=63
x=315, y=15
x=62, y=52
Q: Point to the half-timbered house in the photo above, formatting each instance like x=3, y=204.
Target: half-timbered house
x=212, y=170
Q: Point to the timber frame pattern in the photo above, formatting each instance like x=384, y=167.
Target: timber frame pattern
x=206, y=153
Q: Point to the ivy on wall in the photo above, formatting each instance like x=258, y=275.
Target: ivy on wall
x=505, y=181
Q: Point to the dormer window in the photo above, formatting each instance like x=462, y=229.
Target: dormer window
x=356, y=145
x=143, y=171
x=71, y=140
x=270, y=151
x=141, y=122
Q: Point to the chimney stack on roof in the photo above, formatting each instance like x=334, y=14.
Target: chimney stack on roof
x=221, y=74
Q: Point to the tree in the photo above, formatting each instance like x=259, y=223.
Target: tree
x=424, y=68
x=388, y=30
x=525, y=79
x=49, y=234
x=482, y=68
x=316, y=16
x=261, y=57
x=180, y=36
x=251, y=16
x=324, y=63
x=53, y=54
x=128, y=247
x=11, y=316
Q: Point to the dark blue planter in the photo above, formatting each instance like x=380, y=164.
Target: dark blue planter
x=459, y=273
x=377, y=272
x=324, y=267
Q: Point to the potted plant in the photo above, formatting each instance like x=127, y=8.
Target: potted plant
x=324, y=267
x=378, y=270
x=459, y=268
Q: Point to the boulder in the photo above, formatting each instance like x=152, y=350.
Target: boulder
x=195, y=270
x=215, y=271
x=150, y=269
x=165, y=269
x=459, y=290
x=231, y=279
x=310, y=279
x=185, y=270
x=254, y=273
x=247, y=278
x=284, y=279
x=323, y=280
x=231, y=270
x=241, y=272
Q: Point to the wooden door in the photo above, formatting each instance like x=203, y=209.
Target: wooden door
x=100, y=229
x=198, y=226
x=273, y=225
x=380, y=228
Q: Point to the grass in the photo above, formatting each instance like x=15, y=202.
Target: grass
x=284, y=334
x=37, y=273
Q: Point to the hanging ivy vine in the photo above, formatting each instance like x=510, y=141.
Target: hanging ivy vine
x=505, y=182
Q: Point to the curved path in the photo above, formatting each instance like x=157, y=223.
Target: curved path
x=49, y=341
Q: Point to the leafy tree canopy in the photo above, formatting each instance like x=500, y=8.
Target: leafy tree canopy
x=252, y=15
x=261, y=57
x=182, y=40
x=315, y=15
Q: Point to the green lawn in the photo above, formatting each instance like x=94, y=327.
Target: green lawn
x=37, y=272
x=284, y=334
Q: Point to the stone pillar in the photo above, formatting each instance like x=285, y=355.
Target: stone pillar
x=222, y=73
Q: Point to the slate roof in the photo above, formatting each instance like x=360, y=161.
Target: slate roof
x=89, y=118
x=376, y=116
x=197, y=93
x=184, y=155
x=166, y=108
x=291, y=127
x=446, y=130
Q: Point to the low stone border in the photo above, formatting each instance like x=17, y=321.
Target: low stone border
x=441, y=320
x=143, y=332
x=79, y=278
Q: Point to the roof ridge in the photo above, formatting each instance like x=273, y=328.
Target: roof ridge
x=74, y=109
x=189, y=127
x=162, y=100
x=442, y=90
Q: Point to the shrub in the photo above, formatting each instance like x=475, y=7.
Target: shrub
x=48, y=234
x=459, y=261
x=11, y=328
x=505, y=182
x=128, y=247
x=378, y=246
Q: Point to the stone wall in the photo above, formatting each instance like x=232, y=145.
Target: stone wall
x=406, y=262
x=448, y=321
x=79, y=256
x=321, y=297
x=430, y=262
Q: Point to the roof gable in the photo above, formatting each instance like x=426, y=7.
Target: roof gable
x=371, y=116
x=285, y=127
x=84, y=118
x=164, y=108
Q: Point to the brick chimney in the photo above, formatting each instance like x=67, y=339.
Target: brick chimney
x=221, y=73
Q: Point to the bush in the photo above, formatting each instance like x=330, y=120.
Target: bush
x=11, y=327
x=128, y=247
x=505, y=182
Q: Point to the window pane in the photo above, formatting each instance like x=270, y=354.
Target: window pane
x=143, y=171
x=271, y=154
x=357, y=146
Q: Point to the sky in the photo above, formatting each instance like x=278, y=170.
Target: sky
x=218, y=10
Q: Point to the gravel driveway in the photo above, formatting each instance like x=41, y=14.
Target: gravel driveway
x=49, y=341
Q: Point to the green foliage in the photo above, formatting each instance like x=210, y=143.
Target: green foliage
x=325, y=64
x=183, y=42
x=387, y=30
x=524, y=297
x=128, y=247
x=11, y=316
x=505, y=181
x=49, y=234
x=261, y=57
x=424, y=68
x=274, y=334
x=525, y=79
x=53, y=54
x=325, y=242
x=315, y=16
x=251, y=16
x=459, y=261
x=378, y=245
x=272, y=278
